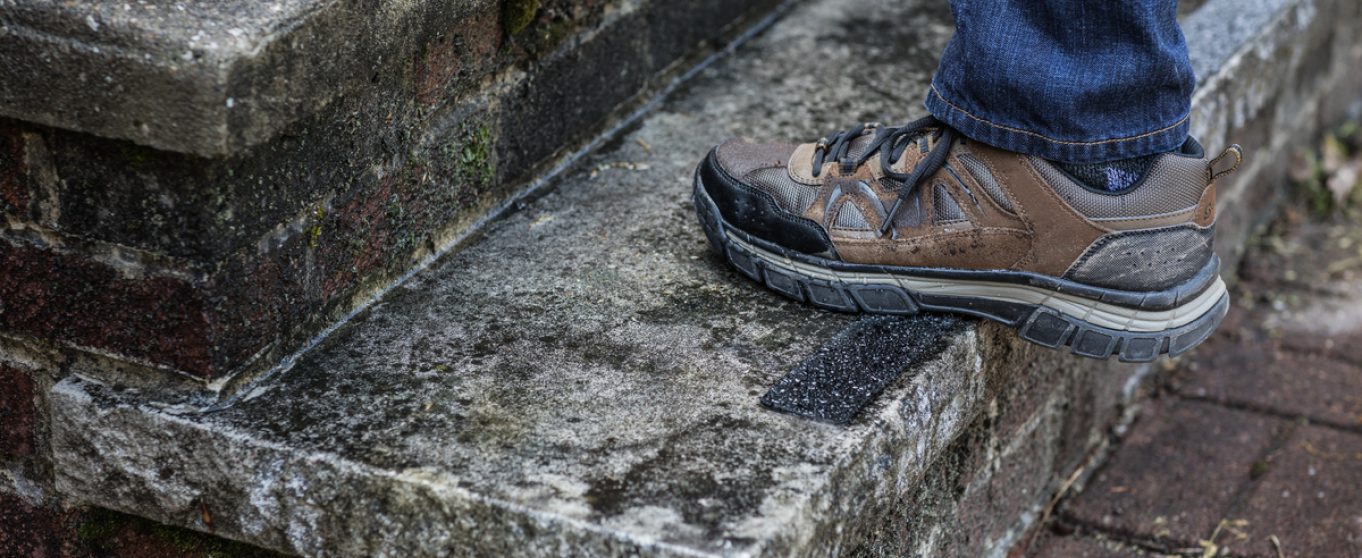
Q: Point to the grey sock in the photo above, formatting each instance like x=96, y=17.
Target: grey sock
x=1111, y=176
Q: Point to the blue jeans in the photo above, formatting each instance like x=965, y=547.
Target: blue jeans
x=1075, y=81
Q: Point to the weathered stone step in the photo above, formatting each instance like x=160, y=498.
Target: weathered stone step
x=215, y=78
x=585, y=379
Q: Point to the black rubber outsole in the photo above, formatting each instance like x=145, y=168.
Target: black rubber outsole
x=1038, y=324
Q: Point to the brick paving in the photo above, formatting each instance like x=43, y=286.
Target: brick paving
x=1175, y=476
x=1252, y=445
x=1095, y=546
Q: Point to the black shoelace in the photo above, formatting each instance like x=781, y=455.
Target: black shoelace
x=897, y=140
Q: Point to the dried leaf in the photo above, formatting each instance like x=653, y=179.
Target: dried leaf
x=1276, y=544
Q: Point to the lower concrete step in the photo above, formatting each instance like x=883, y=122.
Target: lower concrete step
x=586, y=378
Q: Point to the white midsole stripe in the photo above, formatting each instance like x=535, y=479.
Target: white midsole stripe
x=1092, y=311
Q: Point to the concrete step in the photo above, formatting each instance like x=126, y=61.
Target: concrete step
x=585, y=379
x=215, y=78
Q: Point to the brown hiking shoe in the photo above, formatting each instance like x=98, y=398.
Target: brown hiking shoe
x=896, y=220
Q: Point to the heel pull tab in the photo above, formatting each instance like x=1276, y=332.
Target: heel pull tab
x=1236, y=151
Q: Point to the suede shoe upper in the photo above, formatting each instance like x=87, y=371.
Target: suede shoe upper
x=965, y=205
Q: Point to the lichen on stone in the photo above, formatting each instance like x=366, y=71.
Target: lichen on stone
x=314, y=232
x=516, y=15
x=471, y=155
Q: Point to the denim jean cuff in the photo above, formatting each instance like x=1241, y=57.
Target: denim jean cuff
x=976, y=126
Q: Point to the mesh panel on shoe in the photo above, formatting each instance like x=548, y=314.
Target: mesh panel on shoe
x=910, y=215
x=858, y=145
x=963, y=186
x=944, y=205
x=850, y=217
x=790, y=195
x=1173, y=184
x=739, y=157
x=981, y=174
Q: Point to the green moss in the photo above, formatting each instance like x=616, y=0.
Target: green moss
x=314, y=233
x=135, y=156
x=394, y=210
x=516, y=15
x=1312, y=188
x=99, y=528
x=471, y=156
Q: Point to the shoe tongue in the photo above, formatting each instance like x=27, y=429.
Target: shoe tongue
x=858, y=145
x=921, y=144
x=913, y=155
x=910, y=158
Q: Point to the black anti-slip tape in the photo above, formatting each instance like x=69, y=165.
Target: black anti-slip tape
x=850, y=370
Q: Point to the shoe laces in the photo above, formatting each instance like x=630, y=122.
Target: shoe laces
x=891, y=142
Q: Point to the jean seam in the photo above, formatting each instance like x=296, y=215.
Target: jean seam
x=1011, y=129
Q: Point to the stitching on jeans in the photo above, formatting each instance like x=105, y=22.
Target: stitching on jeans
x=1050, y=139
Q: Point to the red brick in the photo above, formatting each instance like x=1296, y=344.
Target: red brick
x=14, y=196
x=38, y=531
x=1175, y=475
x=1309, y=498
x=67, y=297
x=27, y=530
x=449, y=60
x=18, y=415
x=1262, y=376
x=212, y=326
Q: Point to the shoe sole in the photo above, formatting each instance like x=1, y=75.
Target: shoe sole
x=1052, y=315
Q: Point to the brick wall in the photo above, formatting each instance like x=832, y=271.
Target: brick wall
x=35, y=530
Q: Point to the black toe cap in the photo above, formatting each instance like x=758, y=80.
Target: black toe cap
x=756, y=213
